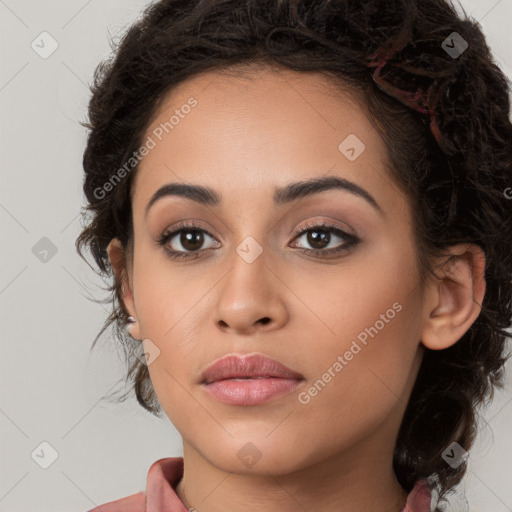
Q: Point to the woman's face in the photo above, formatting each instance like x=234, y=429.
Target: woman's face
x=344, y=312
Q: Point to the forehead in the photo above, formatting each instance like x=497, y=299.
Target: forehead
x=260, y=130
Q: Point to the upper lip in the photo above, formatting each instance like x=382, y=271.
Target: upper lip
x=241, y=365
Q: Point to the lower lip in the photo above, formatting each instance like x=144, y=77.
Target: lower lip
x=250, y=391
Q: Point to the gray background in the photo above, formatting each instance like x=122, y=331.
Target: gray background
x=51, y=384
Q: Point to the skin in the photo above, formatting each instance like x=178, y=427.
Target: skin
x=243, y=139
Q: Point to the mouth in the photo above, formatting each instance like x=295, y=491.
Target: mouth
x=248, y=380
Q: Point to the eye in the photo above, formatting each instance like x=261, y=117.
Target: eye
x=320, y=237
x=191, y=240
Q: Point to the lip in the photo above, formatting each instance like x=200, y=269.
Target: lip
x=233, y=366
x=253, y=379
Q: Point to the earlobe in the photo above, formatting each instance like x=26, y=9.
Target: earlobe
x=455, y=301
x=117, y=258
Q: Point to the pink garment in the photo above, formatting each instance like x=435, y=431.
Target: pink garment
x=164, y=475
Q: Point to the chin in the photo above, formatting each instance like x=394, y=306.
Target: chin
x=259, y=456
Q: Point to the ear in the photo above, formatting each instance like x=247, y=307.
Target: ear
x=118, y=261
x=454, y=301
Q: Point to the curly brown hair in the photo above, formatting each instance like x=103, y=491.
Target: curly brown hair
x=443, y=117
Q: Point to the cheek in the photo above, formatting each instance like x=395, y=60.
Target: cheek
x=373, y=294
x=354, y=387
x=165, y=295
x=369, y=317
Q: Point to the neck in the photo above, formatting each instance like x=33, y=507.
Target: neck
x=341, y=483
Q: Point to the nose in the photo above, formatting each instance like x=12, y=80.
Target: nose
x=251, y=298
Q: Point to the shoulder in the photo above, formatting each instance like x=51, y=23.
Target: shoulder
x=133, y=503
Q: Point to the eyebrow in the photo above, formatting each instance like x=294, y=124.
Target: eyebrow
x=286, y=194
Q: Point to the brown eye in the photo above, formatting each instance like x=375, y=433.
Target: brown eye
x=186, y=239
x=191, y=240
x=320, y=236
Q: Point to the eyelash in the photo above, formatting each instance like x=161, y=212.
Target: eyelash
x=352, y=240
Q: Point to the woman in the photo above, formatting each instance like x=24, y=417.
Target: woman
x=303, y=206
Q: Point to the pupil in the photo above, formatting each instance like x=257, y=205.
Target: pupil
x=191, y=240
x=315, y=238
